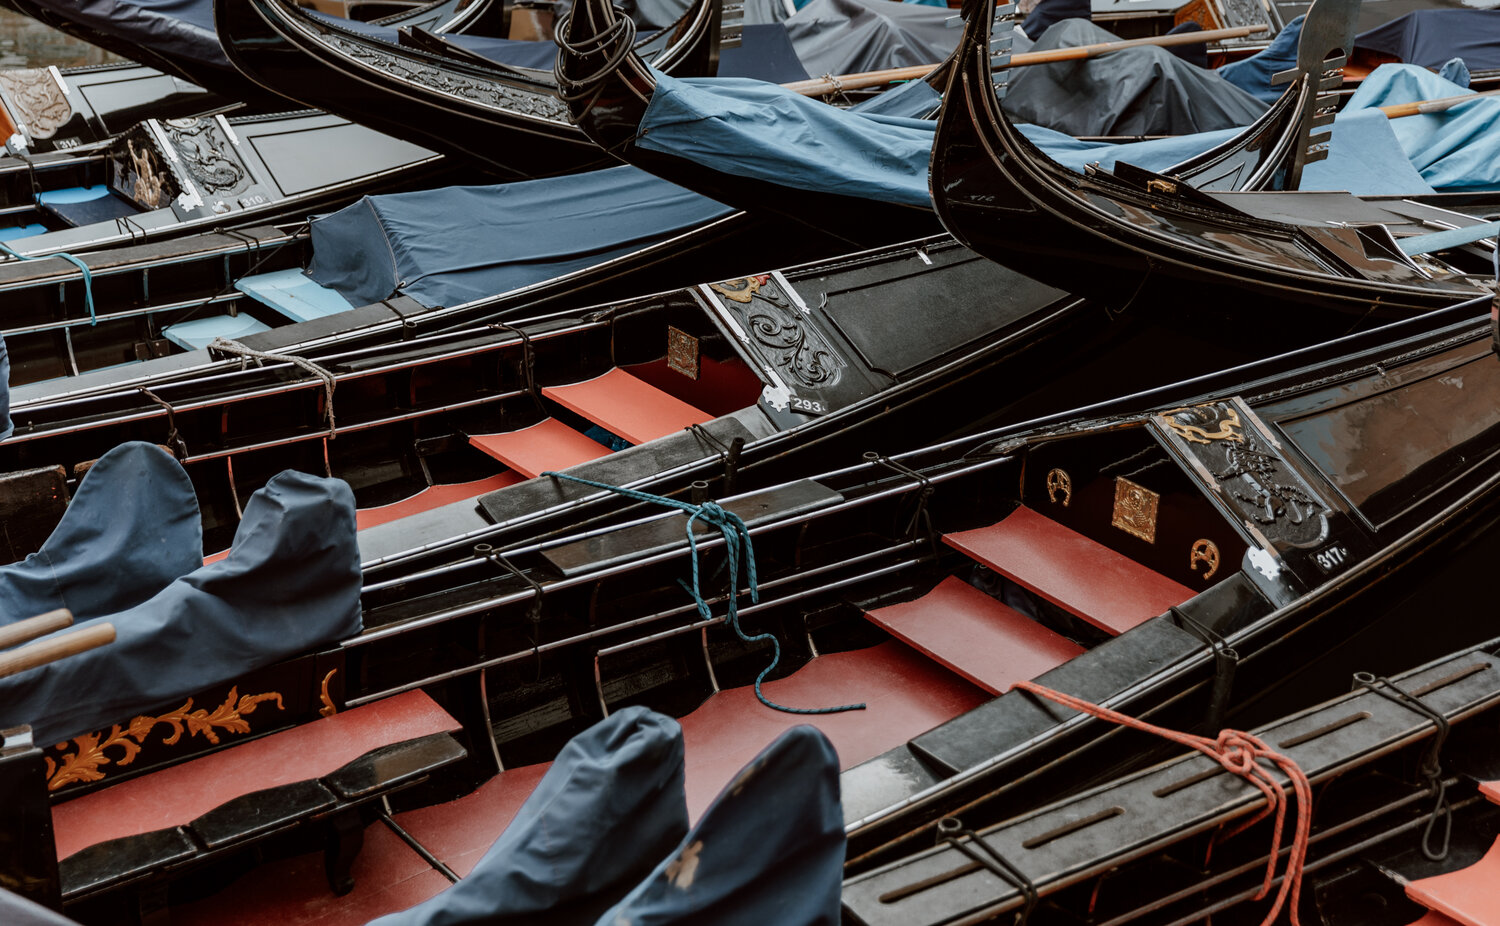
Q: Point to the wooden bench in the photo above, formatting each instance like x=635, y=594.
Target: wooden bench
x=547, y=445
x=627, y=405
x=1078, y=574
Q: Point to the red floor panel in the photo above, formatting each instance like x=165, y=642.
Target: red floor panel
x=434, y=497
x=1491, y=790
x=989, y=644
x=461, y=831
x=1470, y=895
x=548, y=444
x=1083, y=576
x=905, y=692
x=388, y=876
x=180, y=793
x=1434, y=918
x=625, y=405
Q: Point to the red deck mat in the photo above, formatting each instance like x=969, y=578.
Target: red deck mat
x=460, y=832
x=1105, y=588
x=628, y=406
x=1491, y=790
x=988, y=643
x=1469, y=895
x=180, y=793
x=433, y=497
x=905, y=692
x=388, y=876
x=548, y=444
x=1434, y=918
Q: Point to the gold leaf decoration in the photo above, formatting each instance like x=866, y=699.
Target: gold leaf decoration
x=329, y=708
x=90, y=757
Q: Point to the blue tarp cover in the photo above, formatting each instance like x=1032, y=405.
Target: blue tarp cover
x=455, y=245
x=6, y=426
x=291, y=582
x=178, y=28
x=16, y=910
x=1253, y=74
x=1430, y=37
x=852, y=36
x=769, y=850
x=131, y=529
x=765, y=53
x=608, y=809
x=1454, y=151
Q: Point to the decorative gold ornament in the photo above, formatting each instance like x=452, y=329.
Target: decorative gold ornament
x=90, y=757
x=1230, y=428
x=741, y=290
x=328, y=709
x=1204, y=551
x=1059, y=481
x=682, y=352
x=1135, y=509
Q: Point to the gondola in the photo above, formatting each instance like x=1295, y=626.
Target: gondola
x=181, y=39
x=611, y=92
x=509, y=118
x=527, y=644
x=1135, y=235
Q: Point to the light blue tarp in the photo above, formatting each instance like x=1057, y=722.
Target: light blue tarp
x=1253, y=74
x=455, y=245
x=1430, y=37
x=132, y=528
x=1454, y=151
x=6, y=425
x=16, y=910
x=291, y=582
x=608, y=809
x=770, y=849
x=178, y=28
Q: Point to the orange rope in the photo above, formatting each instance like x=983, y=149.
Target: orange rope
x=1239, y=753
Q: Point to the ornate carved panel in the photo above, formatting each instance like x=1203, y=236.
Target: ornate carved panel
x=779, y=332
x=137, y=170
x=36, y=100
x=207, y=156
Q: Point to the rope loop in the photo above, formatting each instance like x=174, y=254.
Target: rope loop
x=175, y=442
x=736, y=539
x=330, y=382
x=83, y=269
x=1247, y=756
x=1431, y=767
x=618, y=38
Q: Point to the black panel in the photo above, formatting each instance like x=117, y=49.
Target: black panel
x=118, y=860
x=393, y=766
x=260, y=813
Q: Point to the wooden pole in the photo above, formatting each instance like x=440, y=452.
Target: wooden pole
x=54, y=648
x=821, y=85
x=1398, y=110
x=33, y=627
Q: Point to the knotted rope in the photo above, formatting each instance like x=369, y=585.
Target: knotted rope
x=88, y=276
x=1240, y=754
x=235, y=348
x=736, y=537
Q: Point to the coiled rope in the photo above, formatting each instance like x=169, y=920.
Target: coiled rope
x=736, y=537
x=88, y=276
x=235, y=348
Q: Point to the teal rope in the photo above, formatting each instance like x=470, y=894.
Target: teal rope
x=736, y=535
x=88, y=278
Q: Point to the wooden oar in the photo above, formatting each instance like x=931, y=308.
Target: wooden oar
x=54, y=648
x=1397, y=110
x=33, y=627
x=821, y=85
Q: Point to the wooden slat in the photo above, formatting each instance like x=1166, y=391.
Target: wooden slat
x=1468, y=895
x=547, y=445
x=627, y=405
x=1084, y=577
x=988, y=643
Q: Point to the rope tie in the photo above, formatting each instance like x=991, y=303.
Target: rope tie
x=88, y=276
x=1240, y=754
x=618, y=39
x=736, y=537
x=950, y=828
x=235, y=348
x=174, y=439
x=1431, y=767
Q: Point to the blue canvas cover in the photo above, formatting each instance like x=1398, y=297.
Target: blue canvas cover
x=455, y=245
x=6, y=426
x=179, y=28
x=915, y=99
x=513, y=52
x=1454, y=151
x=291, y=582
x=852, y=36
x=1430, y=37
x=132, y=528
x=765, y=53
x=1047, y=12
x=610, y=806
x=1253, y=74
x=16, y=910
x=770, y=849
x=1135, y=91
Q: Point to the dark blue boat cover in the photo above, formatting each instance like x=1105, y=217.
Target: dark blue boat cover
x=765, y=53
x=455, y=245
x=769, y=850
x=1136, y=91
x=1430, y=37
x=16, y=910
x=131, y=529
x=1454, y=151
x=915, y=99
x=1253, y=74
x=1049, y=12
x=850, y=36
x=291, y=582
x=608, y=809
x=6, y=425
x=513, y=52
x=177, y=28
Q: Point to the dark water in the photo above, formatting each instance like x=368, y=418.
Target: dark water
x=25, y=42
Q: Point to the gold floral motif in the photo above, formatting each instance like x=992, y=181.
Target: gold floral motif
x=741, y=290
x=90, y=757
x=1204, y=551
x=1230, y=428
x=1059, y=481
x=328, y=709
x=1135, y=509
